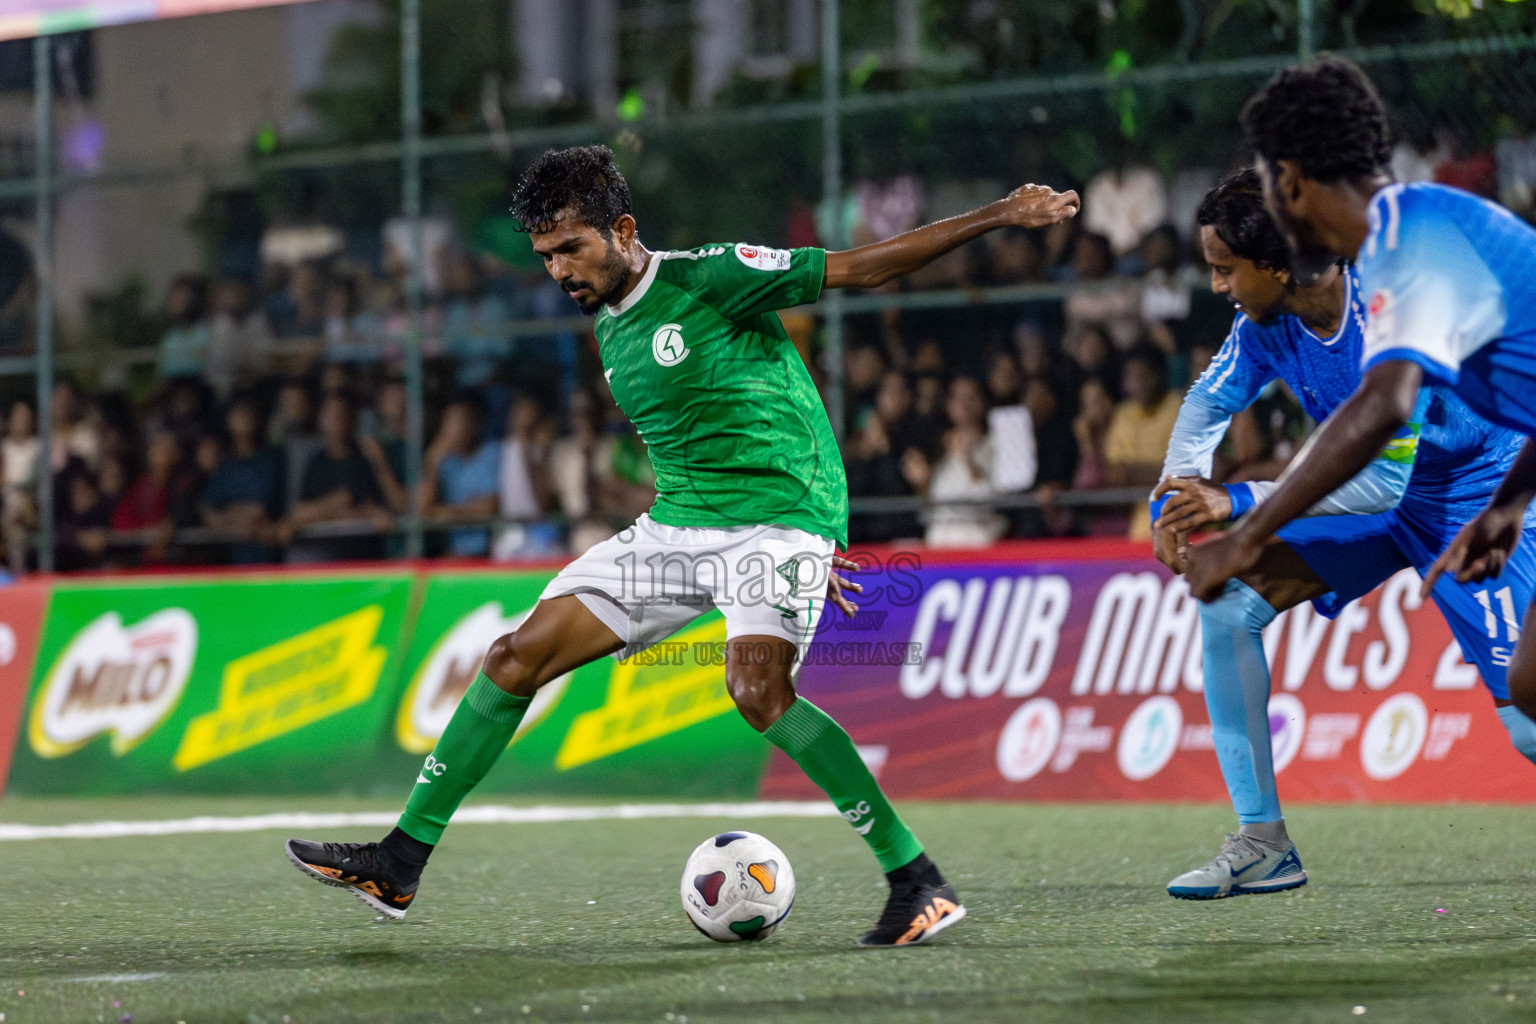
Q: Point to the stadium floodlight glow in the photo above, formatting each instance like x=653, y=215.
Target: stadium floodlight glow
x=22, y=19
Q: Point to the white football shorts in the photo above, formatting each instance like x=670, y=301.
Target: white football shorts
x=650, y=580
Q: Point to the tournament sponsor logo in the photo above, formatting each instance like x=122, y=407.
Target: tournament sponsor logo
x=113, y=679
x=760, y=258
x=1002, y=638
x=1028, y=741
x=647, y=700
x=1394, y=736
x=1149, y=738
x=667, y=345
x=452, y=664
x=1287, y=726
x=287, y=686
x=8, y=644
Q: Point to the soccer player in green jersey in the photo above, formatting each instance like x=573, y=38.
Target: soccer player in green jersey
x=751, y=507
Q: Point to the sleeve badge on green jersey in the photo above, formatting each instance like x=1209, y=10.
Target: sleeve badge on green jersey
x=760, y=258
x=667, y=345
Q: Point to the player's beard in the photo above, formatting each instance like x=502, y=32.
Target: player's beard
x=610, y=277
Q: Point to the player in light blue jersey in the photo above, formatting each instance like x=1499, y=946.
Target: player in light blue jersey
x=1450, y=281
x=1438, y=470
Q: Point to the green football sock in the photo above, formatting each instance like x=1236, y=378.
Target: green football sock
x=825, y=753
x=480, y=729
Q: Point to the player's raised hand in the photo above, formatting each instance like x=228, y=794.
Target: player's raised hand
x=837, y=584
x=1038, y=206
x=1213, y=563
x=1194, y=502
x=1480, y=549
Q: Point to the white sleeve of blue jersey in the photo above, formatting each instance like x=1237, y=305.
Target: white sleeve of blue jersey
x=1376, y=488
x=1430, y=297
x=1227, y=387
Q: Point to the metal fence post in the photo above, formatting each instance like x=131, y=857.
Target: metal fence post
x=1306, y=27
x=832, y=198
x=42, y=264
x=410, y=171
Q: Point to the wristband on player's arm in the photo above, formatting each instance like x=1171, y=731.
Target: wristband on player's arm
x=1240, y=496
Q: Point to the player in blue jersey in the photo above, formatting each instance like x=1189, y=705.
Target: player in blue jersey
x=1450, y=281
x=1375, y=524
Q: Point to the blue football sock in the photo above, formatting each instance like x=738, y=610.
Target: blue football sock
x=1522, y=731
x=1237, y=696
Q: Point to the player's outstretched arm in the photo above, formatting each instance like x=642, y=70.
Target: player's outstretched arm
x=869, y=266
x=1342, y=447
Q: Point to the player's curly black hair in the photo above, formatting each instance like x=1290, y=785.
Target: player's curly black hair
x=1235, y=209
x=1325, y=115
x=583, y=178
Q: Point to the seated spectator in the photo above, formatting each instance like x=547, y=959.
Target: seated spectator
x=1089, y=356
x=292, y=431
x=602, y=480
x=962, y=472
x=75, y=432
x=874, y=461
x=475, y=322
x=459, y=477
x=1165, y=294
x=240, y=344
x=1101, y=300
x=1123, y=204
x=184, y=345
x=1137, y=441
x=297, y=311
x=523, y=481
x=160, y=499
x=243, y=495
x=351, y=333
x=19, y=464
x=81, y=523
x=338, y=486
x=1090, y=429
x=1015, y=257
x=382, y=440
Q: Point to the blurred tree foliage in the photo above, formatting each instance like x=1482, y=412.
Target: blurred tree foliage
x=730, y=181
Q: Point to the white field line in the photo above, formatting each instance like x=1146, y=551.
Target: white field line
x=493, y=814
x=102, y=979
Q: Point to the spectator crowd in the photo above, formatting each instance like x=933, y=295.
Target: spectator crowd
x=277, y=430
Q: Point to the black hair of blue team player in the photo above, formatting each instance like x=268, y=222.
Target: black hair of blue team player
x=1326, y=116
x=1234, y=209
x=584, y=179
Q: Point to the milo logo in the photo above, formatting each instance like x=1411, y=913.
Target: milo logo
x=116, y=679
x=452, y=664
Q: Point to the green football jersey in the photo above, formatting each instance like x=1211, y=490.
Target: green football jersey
x=699, y=362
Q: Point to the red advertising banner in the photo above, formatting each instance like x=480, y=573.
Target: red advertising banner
x=1072, y=672
x=21, y=619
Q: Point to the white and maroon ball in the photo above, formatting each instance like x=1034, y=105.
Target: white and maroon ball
x=738, y=887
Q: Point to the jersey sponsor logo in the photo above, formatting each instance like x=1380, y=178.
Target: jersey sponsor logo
x=1379, y=328
x=667, y=345
x=760, y=258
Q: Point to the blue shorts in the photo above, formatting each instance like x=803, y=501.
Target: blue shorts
x=1355, y=554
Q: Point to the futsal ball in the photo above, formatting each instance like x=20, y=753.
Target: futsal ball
x=738, y=887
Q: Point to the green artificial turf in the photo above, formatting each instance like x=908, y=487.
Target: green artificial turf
x=582, y=922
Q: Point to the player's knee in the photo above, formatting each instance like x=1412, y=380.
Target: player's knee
x=1522, y=731
x=514, y=664
x=761, y=698
x=1238, y=607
